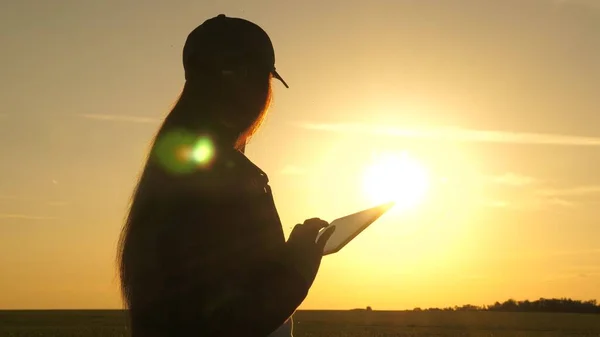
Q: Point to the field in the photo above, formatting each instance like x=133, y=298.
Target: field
x=326, y=323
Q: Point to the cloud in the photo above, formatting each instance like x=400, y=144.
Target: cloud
x=539, y=197
x=578, y=191
x=121, y=118
x=528, y=203
x=293, y=170
x=56, y=203
x=456, y=134
x=560, y=202
x=512, y=179
x=568, y=197
x=585, y=271
x=24, y=216
x=545, y=254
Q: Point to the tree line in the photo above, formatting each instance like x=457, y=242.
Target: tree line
x=562, y=305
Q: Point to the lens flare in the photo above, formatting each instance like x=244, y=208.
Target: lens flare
x=203, y=151
x=183, y=152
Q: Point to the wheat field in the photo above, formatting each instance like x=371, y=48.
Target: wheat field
x=92, y=323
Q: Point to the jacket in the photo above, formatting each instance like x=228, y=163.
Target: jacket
x=222, y=269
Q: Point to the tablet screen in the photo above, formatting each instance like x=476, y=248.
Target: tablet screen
x=348, y=227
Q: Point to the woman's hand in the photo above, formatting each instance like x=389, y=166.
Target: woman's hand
x=304, y=250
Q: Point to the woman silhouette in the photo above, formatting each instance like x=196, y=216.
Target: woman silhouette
x=202, y=252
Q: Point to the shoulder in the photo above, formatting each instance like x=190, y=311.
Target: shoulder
x=232, y=170
x=229, y=175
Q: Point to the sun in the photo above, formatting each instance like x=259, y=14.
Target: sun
x=397, y=177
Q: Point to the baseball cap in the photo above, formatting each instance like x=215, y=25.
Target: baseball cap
x=229, y=46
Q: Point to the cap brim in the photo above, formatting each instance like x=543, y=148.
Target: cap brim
x=277, y=76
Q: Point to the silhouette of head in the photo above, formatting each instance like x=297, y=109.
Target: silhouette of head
x=228, y=47
x=228, y=64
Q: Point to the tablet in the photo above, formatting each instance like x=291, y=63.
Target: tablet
x=349, y=226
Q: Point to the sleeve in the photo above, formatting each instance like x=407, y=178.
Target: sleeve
x=244, y=283
x=259, y=308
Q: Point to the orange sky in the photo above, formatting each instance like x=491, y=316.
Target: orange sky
x=497, y=100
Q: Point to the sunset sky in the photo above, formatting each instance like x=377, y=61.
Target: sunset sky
x=497, y=101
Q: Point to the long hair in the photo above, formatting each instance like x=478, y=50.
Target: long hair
x=229, y=109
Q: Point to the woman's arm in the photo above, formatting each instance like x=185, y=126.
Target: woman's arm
x=238, y=270
x=257, y=308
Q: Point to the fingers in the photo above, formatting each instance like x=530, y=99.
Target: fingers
x=315, y=224
x=325, y=237
x=296, y=230
x=309, y=230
